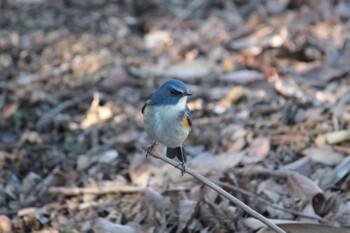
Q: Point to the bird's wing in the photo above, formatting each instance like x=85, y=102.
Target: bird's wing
x=188, y=116
x=144, y=106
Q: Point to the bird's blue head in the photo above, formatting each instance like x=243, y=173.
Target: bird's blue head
x=170, y=93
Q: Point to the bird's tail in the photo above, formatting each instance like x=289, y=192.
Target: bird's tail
x=176, y=152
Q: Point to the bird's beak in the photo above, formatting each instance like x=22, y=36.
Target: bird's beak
x=187, y=93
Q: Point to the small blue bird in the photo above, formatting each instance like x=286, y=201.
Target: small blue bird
x=168, y=120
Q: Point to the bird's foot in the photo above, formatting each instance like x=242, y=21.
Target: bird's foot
x=183, y=167
x=149, y=149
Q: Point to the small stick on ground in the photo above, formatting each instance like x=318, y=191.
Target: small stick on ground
x=222, y=192
x=71, y=191
x=47, y=116
x=186, y=12
x=262, y=200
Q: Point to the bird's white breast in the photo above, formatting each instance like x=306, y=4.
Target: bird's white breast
x=164, y=124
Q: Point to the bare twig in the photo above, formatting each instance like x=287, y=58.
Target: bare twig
x=45, y=118
x=262, y=171
x=186, y=12
x=262, y=200
x=70, y=191
x=222, y=192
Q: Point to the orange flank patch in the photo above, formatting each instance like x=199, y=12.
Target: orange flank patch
x=186, y=122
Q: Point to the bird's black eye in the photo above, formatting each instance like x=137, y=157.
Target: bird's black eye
x=173, y=92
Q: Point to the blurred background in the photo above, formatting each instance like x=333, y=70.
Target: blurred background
x=271, y=109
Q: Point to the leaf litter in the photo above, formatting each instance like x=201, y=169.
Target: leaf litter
x=271, y=109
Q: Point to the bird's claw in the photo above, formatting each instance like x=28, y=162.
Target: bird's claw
x=149, y=149
x=183, y=168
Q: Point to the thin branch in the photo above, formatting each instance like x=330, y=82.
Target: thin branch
x=186, y=12
x=70, y=191
x=47, y=116
x=262, y=200
x=249, y=171
x=222, y=192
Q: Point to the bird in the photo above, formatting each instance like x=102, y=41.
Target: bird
x=167, y=119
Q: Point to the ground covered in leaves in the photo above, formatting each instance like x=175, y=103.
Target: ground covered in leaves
x=271, y=108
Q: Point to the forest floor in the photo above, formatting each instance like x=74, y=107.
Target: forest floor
x=270, y=105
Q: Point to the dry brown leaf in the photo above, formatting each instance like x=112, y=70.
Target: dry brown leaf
x=343, y=215
x=115, y=78
x=5, y=224
x=108, y=156
x=271, y=185
x=342, y=169
x=302, y=187
x=187, y=208
x=141, y=171
x=157, y=39
x=85, y=161
x=9, y=110
x=324, y=155
x=277, y=213
x=276, y=6
x=154, y=198
x=96, y=114
x=208, y=163
x=309, y=210
x=286, y=86
x=188, y=69
x=256, y=40
x=302, y=166
x=258, y=150
x=325, y=177
x=141, y=174
x=333, y=137
x=233, y=95
x=102, y=225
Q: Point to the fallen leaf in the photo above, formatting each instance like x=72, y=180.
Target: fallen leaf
x=333, y=137
x=324, y=155
x=108, y=156
x=5, y=224
x=343, y=215
x=187, y=208
x=302, y=187
x=276, y=6
x=27, y=79
x=9, y=110
x=142, y=174
x=242, y=77
x=104, y=226
x=325, y=177
x=286, y=86
x=156, y=39
x=258, y=150
x=188, y=69
x=208, y=163
x=309, y=210
x=302, y=166
x=342, y=169
x=154, y=198
x=234, y=94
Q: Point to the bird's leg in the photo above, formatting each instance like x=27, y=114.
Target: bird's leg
x=149, y=149
x=183, y=161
